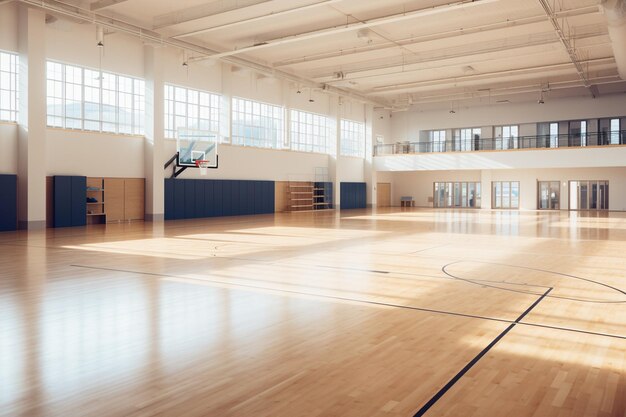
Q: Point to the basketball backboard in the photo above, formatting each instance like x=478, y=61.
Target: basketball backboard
x=193, y=145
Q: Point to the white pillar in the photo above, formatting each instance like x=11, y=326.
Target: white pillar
x=369, y=175
x=333, y=159
x=485, y=192
x=154, y=142
x=31, y=165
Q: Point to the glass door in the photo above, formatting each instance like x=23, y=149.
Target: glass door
x=505, y=195
x=548, y=195
x=588, y=195
x=456, y=195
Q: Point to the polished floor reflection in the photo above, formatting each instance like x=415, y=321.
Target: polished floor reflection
x=358, y=313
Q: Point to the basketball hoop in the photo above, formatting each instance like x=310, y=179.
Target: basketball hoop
x=203, y=165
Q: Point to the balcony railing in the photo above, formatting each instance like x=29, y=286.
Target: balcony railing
x=495, y=144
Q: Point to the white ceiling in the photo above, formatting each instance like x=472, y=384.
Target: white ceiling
x=421, y=52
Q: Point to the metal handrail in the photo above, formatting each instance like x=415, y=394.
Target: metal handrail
x=457, y=144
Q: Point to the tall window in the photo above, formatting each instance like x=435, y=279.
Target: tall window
x=438, y=139
x=554, y=135
x=505, y=194
x=506, y=137
x=257, y=124
x=8, y=86
x=81, y=98
x=352, y=136
x=190, y=109
x=468, y=139
x=615, y=131
x=311, y=132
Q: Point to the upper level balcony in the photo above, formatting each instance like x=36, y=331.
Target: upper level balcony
x=474, y=144
x=529, y=152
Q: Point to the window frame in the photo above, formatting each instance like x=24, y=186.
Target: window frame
x=170, y=125
x=497, y=194
x=9, y=72
x=267, y=119
x=312, y=132
x=109, y=125
x=352, y=141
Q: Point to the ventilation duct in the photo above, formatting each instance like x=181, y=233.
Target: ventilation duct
x=615, y=13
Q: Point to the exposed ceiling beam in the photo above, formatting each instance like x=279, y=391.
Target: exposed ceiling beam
x=257, y=18
x=436, y=36
x=203, y=11
x=484, y=76
x=509, y=90
x=429, y=11
x=101, y=4
x=467, y=56
x=571, y=51
x=65, y=9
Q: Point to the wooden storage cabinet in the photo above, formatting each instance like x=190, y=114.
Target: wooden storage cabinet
x=134, y=198
x=125, y=199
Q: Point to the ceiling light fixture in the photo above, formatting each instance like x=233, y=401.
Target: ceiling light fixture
x=100, y=36
x=185, y=59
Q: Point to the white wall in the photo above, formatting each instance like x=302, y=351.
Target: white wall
x=236, y=162
x=94, y=154
x=351, y=169
x=614, y=156
x=8, y=27
x=8, y=148
x=381, y=125
x=74, y=43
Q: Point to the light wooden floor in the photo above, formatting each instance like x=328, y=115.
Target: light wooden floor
x=352, y=314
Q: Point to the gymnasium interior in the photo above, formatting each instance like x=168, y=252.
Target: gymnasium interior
x=312, y=208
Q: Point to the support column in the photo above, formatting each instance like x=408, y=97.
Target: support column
x=485, y=189
x=154, y=142
x=333, y=159
x=369, y=175
x=31, y=153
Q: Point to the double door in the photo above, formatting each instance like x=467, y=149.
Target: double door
x=588, y=195
x=548, y=195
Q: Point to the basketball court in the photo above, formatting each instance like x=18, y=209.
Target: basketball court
x=313, y=208
x=396, y=312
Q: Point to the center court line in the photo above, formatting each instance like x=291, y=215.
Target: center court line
x=474, y=361
x=332, y=297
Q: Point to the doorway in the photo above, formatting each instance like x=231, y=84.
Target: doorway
x=588, y=195
x=548, y=195
x=383, y=194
